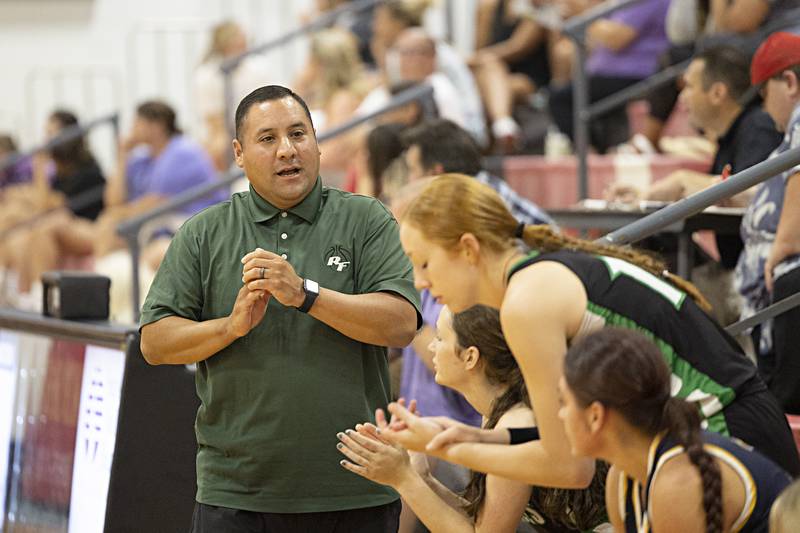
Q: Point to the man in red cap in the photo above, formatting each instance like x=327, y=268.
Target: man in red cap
x=769, y=267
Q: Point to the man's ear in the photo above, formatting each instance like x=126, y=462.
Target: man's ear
x=238, y=153
x=437, y=169
x=718, y=92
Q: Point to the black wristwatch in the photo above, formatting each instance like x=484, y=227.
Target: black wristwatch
x=311, y=288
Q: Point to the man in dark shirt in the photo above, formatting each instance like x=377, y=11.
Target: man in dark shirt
x=715, y=85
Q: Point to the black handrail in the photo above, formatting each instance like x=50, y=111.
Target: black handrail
x=68, y=134
x=326, y=19
x=130, y=228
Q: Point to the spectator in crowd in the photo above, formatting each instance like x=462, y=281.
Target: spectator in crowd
x=624, y=49
x=385, y=165
x=465, y=247
x=289, y=347
x=416, y=63
x=666, y=473
x=391, y=19
x=18, y=172
x=767, y=270
x=156, y=162
x=515, y=54
x=334, y=83
x=692, y=26
x=440, y=146
x=76, y=173
x=471, y=356
x=228, y=40
x=785, y=514
x=359, y=24
x=66, y=176
x=715, y=85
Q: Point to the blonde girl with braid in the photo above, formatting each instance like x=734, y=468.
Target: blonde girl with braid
x=666, y=474
x=551, y=290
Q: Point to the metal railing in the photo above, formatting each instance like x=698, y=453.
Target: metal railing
x=575, y=28
x=583, y=112
x=131, y=228
x=654, y=222
x=326, y=19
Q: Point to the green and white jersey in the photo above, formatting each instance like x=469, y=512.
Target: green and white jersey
x=708, y=366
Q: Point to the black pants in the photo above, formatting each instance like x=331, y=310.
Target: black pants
x=780, y=368
x=605, y=131
x=211, y=519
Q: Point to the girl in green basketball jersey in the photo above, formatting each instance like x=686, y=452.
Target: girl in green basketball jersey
x=464, y=246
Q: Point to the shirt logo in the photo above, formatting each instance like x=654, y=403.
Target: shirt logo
x=338, y=258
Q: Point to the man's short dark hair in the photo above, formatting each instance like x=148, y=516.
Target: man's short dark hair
x=266, y=94
x=156, y=111
x=728, y=65
x=443, y=142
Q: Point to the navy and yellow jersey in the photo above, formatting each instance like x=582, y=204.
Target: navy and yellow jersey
x=708, y=366
x=763, y=482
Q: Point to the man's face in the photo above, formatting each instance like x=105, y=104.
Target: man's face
x=695, y=98
x=417, y=60
x=278, y=151
x=779, y=94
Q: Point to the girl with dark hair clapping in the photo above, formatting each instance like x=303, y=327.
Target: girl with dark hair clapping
x=471, y=356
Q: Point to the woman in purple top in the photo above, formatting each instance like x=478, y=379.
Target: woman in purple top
x=624, y=50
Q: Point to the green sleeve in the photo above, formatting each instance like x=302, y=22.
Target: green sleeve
x=177, y=289
x=383, y=266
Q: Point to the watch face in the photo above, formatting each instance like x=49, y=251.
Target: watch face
x=312, y=286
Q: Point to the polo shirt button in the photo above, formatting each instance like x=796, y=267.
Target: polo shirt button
x=284, y=236
x=284, y=256
x=283, y=214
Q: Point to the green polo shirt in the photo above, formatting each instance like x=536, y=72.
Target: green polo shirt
x=273, y=401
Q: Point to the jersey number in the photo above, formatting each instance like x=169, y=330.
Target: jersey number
x=618, y=266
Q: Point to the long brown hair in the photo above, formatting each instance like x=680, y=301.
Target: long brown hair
x=454, y=204
x=479, y=326
x=625, y=371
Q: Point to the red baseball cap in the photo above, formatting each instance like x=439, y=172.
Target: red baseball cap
x=779, y=52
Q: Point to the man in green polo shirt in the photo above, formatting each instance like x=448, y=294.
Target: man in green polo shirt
x=285, y=296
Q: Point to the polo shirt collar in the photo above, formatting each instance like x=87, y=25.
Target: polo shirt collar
x=261, y=210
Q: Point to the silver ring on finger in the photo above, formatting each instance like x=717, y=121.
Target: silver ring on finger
x=262, y=272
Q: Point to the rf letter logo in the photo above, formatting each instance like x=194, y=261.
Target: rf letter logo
x=338, y=258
